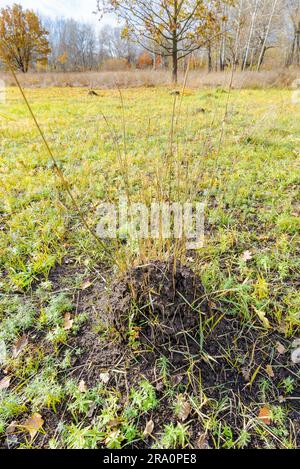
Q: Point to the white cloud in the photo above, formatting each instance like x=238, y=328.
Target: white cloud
x=77, y=9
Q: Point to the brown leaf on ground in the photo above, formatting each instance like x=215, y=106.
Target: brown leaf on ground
x=82, y=386
x=68, y=322
x=5, y=383
x=159, y=386
x=92, y=410
x=176, y=380
x=149, y=428
x=114, y=423
x=11, y=428
x=33, y=425
x=19, y=346
x=202, y=442
x=282, y=327
x=263, y=318
x=280, y=348
x=86, y=285
x=184, y=411
x=246, y=372
x=265, y=415
x=270, y=371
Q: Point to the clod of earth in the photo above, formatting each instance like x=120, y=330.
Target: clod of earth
x=163, y=306
x=164, y=302
x=200, y=110
x=92, y=93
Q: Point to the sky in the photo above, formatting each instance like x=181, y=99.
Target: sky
x=77, y=9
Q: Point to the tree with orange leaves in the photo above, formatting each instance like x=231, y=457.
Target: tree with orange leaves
x=145, y=60
x=23, y=39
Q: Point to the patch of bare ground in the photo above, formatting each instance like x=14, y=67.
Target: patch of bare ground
x=160, y=311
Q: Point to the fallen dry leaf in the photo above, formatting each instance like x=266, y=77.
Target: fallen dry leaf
x=263, y=318
x=82, y=386
x=270, y=371
x=104, y=377
x=92, y=410
x=184, y=411
x=68, y=322
x=5, y=383
x=149, y=428
x=20, y=346
x=282, y=327
x=86, y=285
x=247, y=256
x=11, y=428
x=114, y=423
x=202, y=442
x=176, y=380
x=280, y=348
x=159, y=386
x=246, y=372
x=33, y=425
x=265, y=415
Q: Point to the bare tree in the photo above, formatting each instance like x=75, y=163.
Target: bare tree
x=237, y=33
x=293, y=29
x=179, y=27
x=74, y=44
x=251, y=32
x=112, y=44
x=266, y=36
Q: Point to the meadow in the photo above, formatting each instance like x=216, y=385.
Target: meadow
x=65, y=380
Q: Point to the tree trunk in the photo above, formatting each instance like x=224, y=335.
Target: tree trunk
x=175, y=60
x=294, y=55
x=264, y=48
x=261, y=58
x=298, y=46
x=237, y=47
x=290, y=57
x=22, y=66
x=222, y=52
x=252, y=28
x=175, y=44
x=210, y=64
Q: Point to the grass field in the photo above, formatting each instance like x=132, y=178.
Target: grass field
x=238, y=152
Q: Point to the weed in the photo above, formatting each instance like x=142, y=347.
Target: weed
x=174, y=437
x=144, y=398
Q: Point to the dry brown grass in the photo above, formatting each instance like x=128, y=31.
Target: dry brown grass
x=137, y=78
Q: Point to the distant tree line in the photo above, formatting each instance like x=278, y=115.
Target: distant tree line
x=79, y=46
x=244, y=34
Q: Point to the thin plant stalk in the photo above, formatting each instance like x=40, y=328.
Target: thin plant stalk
x=58, y=170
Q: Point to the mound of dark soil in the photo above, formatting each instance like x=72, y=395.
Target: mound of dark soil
x=164, y=306
x=161, y=304
x=230, y=367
